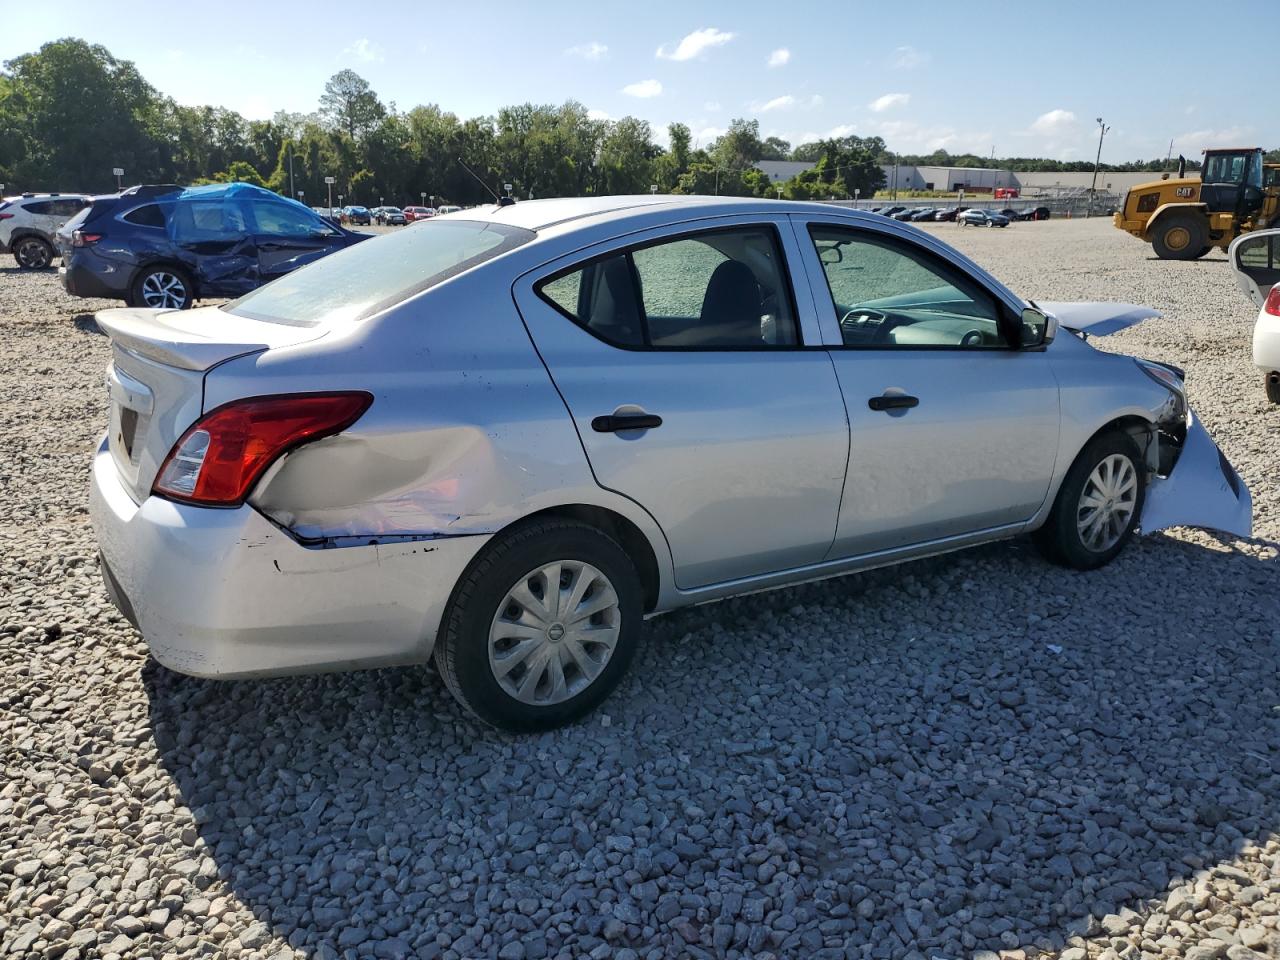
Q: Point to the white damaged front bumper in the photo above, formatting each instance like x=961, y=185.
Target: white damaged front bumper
x=1202, y=490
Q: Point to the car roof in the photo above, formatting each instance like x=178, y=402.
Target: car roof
x=539, y=215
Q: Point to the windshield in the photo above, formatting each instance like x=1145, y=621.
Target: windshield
x=374, y=274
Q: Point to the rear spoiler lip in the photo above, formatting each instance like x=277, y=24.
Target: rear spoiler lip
x=175, y=337
x=1098, y=318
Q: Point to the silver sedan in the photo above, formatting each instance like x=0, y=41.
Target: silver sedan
x=508, y=439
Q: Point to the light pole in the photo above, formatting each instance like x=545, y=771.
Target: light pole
x=1102, y=132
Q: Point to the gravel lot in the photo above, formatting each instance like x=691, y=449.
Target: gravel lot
x=975, y=753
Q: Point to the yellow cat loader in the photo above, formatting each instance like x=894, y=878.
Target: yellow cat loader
x=1183, y=218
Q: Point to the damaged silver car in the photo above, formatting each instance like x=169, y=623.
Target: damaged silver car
x=508, y=439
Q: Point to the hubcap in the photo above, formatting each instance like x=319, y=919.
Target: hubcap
x=164, y=290
x=33, y=254
x=1178, y=238
x=554, y=632
x=1107, y=503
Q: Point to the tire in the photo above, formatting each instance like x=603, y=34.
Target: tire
x=1203, y=252
x=1061, y=539
x=1271, y=384
x=471, y=649
x=162, y=286
x=1180, y=236
x=33, y=253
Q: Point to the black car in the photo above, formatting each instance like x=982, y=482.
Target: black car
x=925, y=214
x=890, y=211
x=166, y=246
x=948, y=214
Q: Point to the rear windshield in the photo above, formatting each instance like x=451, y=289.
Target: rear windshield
x=374, y=274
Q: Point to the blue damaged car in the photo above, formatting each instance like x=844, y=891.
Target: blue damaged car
x=168, y=246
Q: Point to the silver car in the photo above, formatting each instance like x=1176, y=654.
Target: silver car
x=507, y=440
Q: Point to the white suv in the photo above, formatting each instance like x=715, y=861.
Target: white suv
x=29, y=223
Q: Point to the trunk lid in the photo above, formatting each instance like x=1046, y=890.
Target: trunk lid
x=155, y=381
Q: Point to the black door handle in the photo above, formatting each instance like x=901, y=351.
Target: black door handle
x=626, y=421
x=893, y=401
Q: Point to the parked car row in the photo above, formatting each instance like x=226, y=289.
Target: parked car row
x=957, y=214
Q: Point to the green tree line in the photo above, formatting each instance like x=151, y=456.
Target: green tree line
x=70, y=112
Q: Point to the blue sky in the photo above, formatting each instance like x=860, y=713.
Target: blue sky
x=1027, y=78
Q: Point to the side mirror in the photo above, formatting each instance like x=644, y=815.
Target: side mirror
x=1038, y=328
x=831, y=254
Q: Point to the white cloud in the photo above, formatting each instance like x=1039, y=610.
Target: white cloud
x=588, y=51
x=1054, y=123
x=694, y=44
x=786, y=102
x=711, y=106
x=364, y=50
x=889, y=101
x=907, y=57
x=780, y=57
x=703, y=137
x=598, y=115
x=904, y=136
x=643, y=89
x=1193, y=141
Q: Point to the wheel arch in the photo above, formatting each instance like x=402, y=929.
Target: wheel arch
x=1167, y=210
x=631, y=538
x=1142, y=430
x=172, y=263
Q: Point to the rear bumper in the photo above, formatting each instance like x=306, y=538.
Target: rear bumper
x=81, y=280
x=225, y=593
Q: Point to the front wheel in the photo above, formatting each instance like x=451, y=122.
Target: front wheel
x=1180, y=237
x=1098, y=505
x=162, y=287
x=541, y=626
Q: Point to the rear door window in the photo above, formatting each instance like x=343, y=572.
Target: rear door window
x=208, y=221
x=724, y=289
x=284, y=220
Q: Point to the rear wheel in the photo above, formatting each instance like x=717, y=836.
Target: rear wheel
x=1203, y=252
x=1098, y=505
x=1180, y=236
x=162, y=287
x=33, y=253
x=542, y=626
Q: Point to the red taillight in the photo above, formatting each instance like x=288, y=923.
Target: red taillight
x=219, y=459
x=1272, y=306
x=6, y=216
x=80, y=239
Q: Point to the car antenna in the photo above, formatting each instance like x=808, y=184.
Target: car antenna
x=492, y=192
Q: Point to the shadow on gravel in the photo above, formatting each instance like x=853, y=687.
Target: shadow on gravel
x=978, y=751
x=86, y=323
